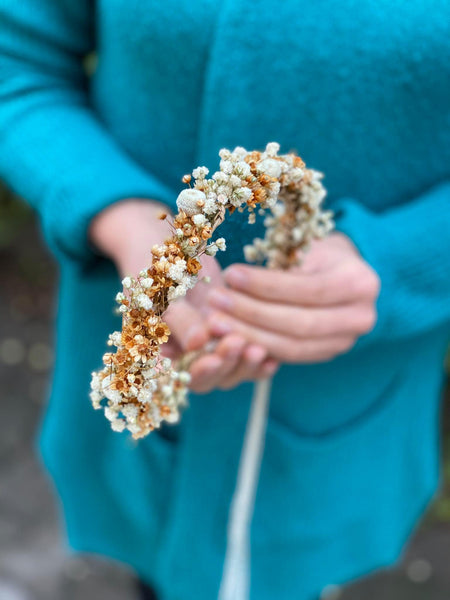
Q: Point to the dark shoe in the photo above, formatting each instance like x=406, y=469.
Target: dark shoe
x=145, y=592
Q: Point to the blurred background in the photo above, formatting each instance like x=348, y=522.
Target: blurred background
x=34, y=562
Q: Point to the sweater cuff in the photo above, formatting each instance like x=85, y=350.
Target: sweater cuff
x=409, y=247
x=69, y=212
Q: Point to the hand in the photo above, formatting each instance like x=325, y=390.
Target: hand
x=125, y=232
x=308, y=314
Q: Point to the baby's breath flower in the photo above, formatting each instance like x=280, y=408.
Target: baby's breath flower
x=242, y=169
x=271, y=167
x=96, y=398
x=118, y=425
x=110, y=414
x=126, y=282
x=184, y=377
x=199, y=219
x=167, y=390
x=166, y=363
x=146, y=282
x=134, y=428
x=220, y=177
x=115, y=339
x=143, y=301
x=200, y=172
x=225, y=154
x=177, y=270
x=221, y=244
x=226, y=166
x=250, y=253
x=175, y=292
x=130, y=412
x=243, y=194
x=272, y=149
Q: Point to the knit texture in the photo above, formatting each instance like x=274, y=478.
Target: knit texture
x=360, y=90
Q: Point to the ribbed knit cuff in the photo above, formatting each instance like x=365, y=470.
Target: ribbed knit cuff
x=68, y=215
x=409, y=247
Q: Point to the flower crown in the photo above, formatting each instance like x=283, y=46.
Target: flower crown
x=142, y=387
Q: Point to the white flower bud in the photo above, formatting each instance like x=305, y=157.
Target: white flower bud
x=250, y=253
x=211, y=250
x=147, y=282
x=143, y=301
x=134, y=428
x=199, y=219
x=271, y=167
x=272, y=148
x=221, y=244
x=188, y=199
x=118, y=425
x=200, y=172
x=166, y=363
x=172, y=417
x=239, y=152
x=184, y=377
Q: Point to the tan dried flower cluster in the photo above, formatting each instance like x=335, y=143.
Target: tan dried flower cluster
x=142, y=388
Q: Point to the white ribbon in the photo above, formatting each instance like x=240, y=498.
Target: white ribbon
x=235, y=584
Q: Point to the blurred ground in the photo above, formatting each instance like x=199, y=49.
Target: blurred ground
x=34, y=565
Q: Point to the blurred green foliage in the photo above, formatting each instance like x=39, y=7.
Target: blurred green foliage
x=14, y=214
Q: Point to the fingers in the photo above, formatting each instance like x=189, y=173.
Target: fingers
x=197, y=295
x=209, y=371
x=187, y=325
x=226, y=366
x=281, y=347
x=232, y=362
x=293, y=320
x=349, y=281
x=253, y=366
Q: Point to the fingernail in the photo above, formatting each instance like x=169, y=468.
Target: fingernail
x=219, y=299
x=192, y=332
x=234, y=351
x=214, y=365
x=220, y=327
x=256, y=355
x=235, y=277
x=270, y=369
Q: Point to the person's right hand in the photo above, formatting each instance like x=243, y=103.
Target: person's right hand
x=125, y=232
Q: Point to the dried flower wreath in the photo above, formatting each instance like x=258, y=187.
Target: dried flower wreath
x=142, y=387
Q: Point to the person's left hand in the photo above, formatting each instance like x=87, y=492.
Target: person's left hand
x=308, y=314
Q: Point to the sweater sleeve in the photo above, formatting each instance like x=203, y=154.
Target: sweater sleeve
x=55, y=152
x=409, y=248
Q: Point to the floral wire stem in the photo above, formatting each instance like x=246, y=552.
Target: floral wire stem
x=143, y=388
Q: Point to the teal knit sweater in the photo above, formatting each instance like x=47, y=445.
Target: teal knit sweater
x=361, y=90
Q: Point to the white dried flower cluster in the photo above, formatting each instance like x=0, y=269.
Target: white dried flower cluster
x=141, y=387
x=296, y=218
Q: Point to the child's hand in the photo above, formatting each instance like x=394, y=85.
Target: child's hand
x=125, y=232
x=307, y=314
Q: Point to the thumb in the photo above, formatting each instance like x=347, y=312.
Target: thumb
x=187, y=325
